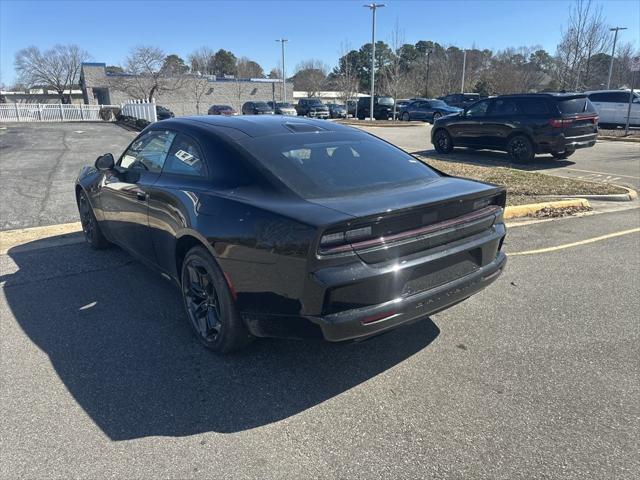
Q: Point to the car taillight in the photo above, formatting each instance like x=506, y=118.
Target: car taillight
x=560, y=122
x=340, y=242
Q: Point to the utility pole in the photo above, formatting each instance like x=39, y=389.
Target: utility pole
x=613, y=52
x=464, y=67
x=284, y=77
x=373, y=7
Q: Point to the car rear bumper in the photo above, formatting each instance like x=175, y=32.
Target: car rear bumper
x=357, y=323
x=561, y=143
x=319, y=114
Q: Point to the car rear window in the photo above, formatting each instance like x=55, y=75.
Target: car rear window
x=338, y=165
x=571, y=106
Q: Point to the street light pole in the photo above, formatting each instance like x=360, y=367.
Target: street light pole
x=284, y=77
x=373, y=7
x=613, y=52
x=464, y=67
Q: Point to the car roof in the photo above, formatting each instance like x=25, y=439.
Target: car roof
x=254, y=125
x=557, y=95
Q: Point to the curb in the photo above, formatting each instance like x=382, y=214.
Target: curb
x=614, y=197
x=365, y=123
x=517, y=211
x=63, y=233
x=619, y=139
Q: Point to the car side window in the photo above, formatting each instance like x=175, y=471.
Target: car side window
x=149, y=151
x=478, y=109
x=185, y=158
x=504, y=106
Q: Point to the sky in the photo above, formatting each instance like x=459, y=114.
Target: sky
x=315, y=29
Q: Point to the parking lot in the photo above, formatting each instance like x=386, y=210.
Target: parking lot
x=535, y=377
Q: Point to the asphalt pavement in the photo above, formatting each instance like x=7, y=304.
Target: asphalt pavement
x=39, y=163
x=536, y=377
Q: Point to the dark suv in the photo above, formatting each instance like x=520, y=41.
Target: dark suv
x=312, y=107
x=256, y=108
x=382, y=107
x=522, y=125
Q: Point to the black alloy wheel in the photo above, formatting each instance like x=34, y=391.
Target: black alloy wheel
x=90, y=227
x=436, y=116
x=520, y=149
x=442, y=141
x=209, y=304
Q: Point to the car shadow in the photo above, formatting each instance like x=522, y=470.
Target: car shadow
x=492, y=158
x=117, y=337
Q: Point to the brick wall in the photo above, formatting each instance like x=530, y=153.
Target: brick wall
x=182, y=98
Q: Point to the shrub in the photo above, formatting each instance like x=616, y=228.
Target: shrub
x=109, y=114
x=141, y=123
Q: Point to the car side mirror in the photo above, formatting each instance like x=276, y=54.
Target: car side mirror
x=105, y=162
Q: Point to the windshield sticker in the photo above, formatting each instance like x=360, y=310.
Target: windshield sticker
x=186, y=157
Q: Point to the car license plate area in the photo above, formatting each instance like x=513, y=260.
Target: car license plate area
x=442, y=271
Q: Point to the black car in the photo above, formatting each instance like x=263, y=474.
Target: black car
x=275, y=226
x=461, y=100
x=336, y=110
x=256, y=108
x=426, y=110
x=382, y=107
x=522, y=125
x=312, y=107
x=162, y=113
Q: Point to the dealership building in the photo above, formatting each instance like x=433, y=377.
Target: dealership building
x=184, y=95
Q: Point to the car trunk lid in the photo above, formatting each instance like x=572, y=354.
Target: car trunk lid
x=399, y=223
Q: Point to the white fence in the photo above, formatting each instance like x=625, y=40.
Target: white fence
x=140, y=109
x=42, y=112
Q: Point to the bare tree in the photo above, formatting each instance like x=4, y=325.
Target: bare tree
x=200, y=87
x=202, y=61
x=247, y=68
x=393, y=73
x=597, y=40
x=346, y=76
x=148, y=78
x=57, y=68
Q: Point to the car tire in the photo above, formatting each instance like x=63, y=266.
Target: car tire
x=442, y=141
x=209, y=304
x=563, y=155
x=436, y=116
x=520, y=149
x=90, y=226
x=406, y=117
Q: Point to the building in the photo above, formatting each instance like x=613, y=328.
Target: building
x=38, y=95
x=183, y=95
x=325, y=97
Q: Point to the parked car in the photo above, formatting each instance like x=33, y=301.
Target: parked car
x=522, y=125
x=400, y=104
x=162, y=113
x=221, y=110
x=461, y=100
x=312, y=107
x=613, y=106
x=382, y=107
x=256, y=108
x=283, y=108
x=426, y=110
x=271, y=226
x=336, y=110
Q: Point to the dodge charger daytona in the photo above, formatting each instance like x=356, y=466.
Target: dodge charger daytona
x=288, y=227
